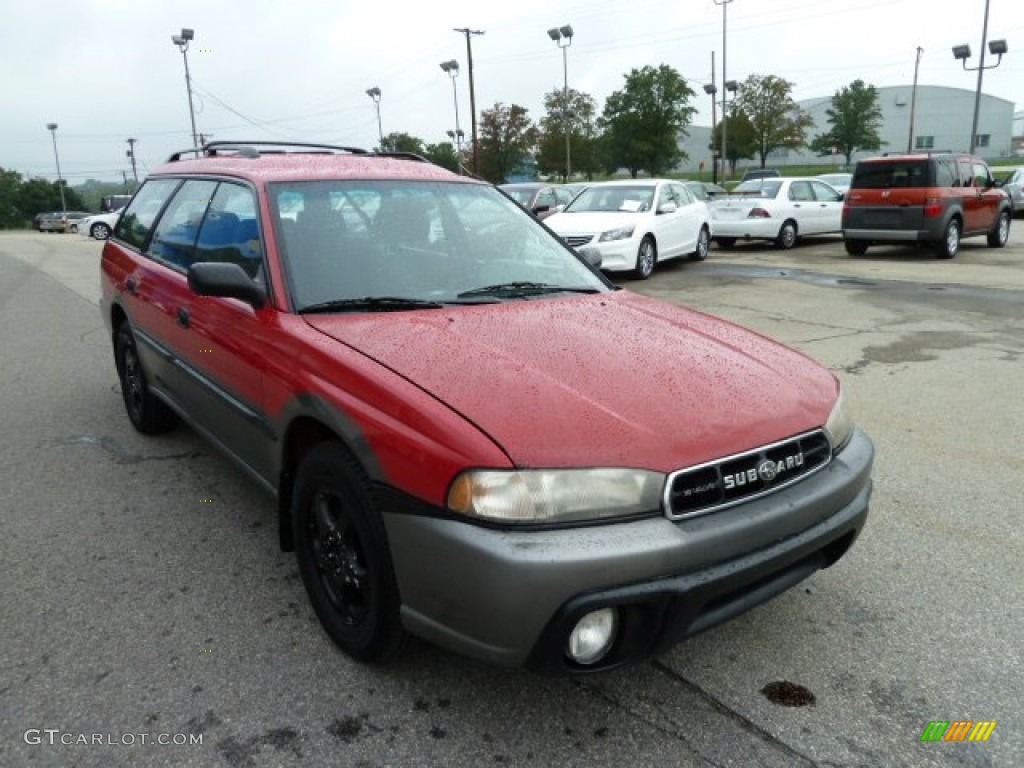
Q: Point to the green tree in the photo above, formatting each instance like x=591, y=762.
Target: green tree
x=443, y=154
x=36, y=195
x=507, y=138
x=775, y=118
x=739, y=140
x=10, y=214
x=642, y=122
x=584, y=146
x=402, y=142
x=854, y=118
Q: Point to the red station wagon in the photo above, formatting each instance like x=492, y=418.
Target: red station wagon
x=470, y=433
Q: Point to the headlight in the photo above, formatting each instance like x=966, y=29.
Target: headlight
x=622, y=233
x=555, y=495
x=839, y=426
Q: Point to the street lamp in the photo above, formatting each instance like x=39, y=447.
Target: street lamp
x=457, y=136
x=52, y=128
x=963, y=53
x=711, y=89
x=558, y=34
x=452, y=68
x=725, y=132
x=182, y=41
x=731, y=86
x=374, y=93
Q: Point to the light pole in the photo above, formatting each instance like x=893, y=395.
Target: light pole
x=711, y=89
x=558, y=34
x=131, y=156
x=913, y=100
x=52, y=128
x=963, y=53
x=182, y=42
x=374, y=93
x=452, y=68
x=472, y=93
x=725, y=132
x=731, y=86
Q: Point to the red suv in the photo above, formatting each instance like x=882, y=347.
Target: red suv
x=470, y=434
x=934, y=198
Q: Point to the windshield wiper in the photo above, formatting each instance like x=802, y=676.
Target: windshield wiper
x=371, y=304
x=523, y=288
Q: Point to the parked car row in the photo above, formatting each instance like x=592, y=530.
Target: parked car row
x=58, y=221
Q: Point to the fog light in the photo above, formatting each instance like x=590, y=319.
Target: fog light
x=592, y=637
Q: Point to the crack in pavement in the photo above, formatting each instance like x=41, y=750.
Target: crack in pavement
x=120, y=454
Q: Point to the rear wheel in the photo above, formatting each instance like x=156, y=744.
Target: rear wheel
x=855, y=247
x=949, y=245
x=997, y=237
x=343, y=555
x=147, y=413
x=703, y=245
x=646, y=258
x=787, y=235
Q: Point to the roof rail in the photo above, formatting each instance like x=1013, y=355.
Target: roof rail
x=252, y=149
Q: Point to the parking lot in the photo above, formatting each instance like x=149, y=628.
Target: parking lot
x=143, y=590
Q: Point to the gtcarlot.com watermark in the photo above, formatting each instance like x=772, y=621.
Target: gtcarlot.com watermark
x=55, y=736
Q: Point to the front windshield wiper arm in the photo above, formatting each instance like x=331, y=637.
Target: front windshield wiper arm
x=524, y=288
x=370, y=304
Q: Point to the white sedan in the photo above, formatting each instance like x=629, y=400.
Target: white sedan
x=781, y=210
x=99, y=226
x=636, y=223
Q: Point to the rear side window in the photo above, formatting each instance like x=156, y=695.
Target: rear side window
x=135, y=224
x=946, y=174
x=910, y=173
x=175, y=237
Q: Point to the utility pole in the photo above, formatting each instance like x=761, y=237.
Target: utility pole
x=913, y=101
x=714, y=119
x=472, y=93
x=725, y=92
x=131, y=156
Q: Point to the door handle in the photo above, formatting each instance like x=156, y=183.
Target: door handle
x=131, y=286
x=183, y=317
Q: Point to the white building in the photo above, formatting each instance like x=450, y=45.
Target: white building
x=942, y=121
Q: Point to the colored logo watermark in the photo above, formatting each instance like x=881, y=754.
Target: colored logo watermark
x=958, y=730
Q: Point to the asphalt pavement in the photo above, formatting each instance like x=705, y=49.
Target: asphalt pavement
x=144, y=600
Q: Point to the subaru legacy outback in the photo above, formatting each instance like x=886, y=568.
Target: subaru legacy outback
x=471, y=435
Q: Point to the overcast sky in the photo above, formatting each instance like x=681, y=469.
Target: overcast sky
x=106, y=70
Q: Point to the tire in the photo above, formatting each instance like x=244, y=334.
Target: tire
x=856, y=247
x=728, y=243
x=343, y=555
x=997, y=237
x=646, y=258
x=99, y=230
x=787, y=235
x=703, y=245
x=148, y=414
x=949, y=245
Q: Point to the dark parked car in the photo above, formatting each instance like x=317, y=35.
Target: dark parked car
x=541, y=200
x=934, y=198
x=468, y=432
x=761, y=173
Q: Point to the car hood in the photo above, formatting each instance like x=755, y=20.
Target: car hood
x=568, y=223
x=613, y=379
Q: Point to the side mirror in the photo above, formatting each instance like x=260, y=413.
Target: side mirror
x=214, y=278
x=668, y=207
x=540, y=209
x=591, y=255
x=998, y=183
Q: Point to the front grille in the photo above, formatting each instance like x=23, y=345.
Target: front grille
x=734, y=479
x=577, y=240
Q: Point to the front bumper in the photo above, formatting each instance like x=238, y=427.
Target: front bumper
x=511, y=597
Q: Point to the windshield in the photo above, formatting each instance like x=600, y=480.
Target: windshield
x=434, y=242
x=758, y=188
x=630, y=199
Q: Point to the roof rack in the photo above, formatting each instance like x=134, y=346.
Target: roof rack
x=925, y=152
x=254, y=149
